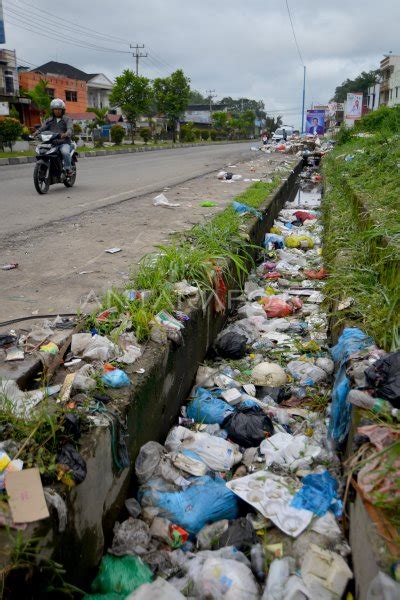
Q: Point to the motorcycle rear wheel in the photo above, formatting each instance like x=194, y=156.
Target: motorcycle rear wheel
x=42, y=184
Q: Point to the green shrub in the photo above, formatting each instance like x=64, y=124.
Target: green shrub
x=10, y=131
x=205, y=134
x=187, y=133
x=197, y=133
x=117, y=134
x=344, y=135
x=145, y=134
x=213, y=134
x=384, y=118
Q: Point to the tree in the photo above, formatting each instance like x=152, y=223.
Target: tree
x=101, y=115
x=10, y=130
x=133, y=94
x=271, y=123
x=145, y=134
x=117, y=134
x=243, y=104
x=172, y=97
x=220, y=120
x=196, y=97
x=359, y=84
x=40, y=98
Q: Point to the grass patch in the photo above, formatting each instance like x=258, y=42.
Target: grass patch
x=198, y=256
x=361, y=214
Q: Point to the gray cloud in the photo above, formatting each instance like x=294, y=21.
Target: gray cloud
x=237, y=48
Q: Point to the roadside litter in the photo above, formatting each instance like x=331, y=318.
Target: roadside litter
x=162, y=200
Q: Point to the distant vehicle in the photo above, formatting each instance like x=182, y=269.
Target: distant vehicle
x=278, y=135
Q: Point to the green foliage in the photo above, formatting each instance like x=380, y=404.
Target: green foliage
x=344, y=135
x=145, y=134
x=10, y=130
x=220, y=120
x=117, y=133
x=197, y=133
x=133, y=94
x=360, y=84
x=187, y=132
x=205, y=134
x=172, y=96
x=100, y=115
x=213, y=134
x=244, y=104
x=382, y=119
x=40, y=98
x=14, y=114
x=196, y=97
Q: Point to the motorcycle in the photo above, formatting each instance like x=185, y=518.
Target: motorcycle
x=49, y=164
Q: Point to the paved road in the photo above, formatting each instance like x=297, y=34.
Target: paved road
x=102, y=182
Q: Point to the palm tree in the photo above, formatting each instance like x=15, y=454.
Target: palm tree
x=40, y=98
x=101, y=114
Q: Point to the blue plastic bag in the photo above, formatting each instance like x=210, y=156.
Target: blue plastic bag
x=351, y=340
x=206, y=500
x=116, y=378
x=207, y=408
x=319, y=494
x=242, y=209
x=277, y=241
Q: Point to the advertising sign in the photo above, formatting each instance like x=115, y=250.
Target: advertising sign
x=315, y=123
x=353, y=108
x=4, y=109
x=2, y=32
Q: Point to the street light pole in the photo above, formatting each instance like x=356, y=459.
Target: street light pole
x=304, y=99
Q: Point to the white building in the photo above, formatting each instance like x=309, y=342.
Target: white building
x=373, y=96
x=390, y=80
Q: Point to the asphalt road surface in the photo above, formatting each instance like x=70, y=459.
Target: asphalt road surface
x=103, y=181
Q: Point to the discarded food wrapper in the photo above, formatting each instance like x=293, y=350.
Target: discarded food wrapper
x=115, y=378
x=167, y=320
x=243, y=209
x=162, y=200
x=183, y=288
x=346, y=303
x=271, y=496
x=7, y=465
x=9, y=266
x=14, y=354
x=113, y=250
x=50, y=348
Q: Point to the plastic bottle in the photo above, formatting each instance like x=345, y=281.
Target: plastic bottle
x=376, y=405
x=258, y=561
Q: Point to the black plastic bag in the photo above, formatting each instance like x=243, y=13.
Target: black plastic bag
x=70, y=457
x=384, y=376
x=248, y=427
x=231, y=345
x=240, y=534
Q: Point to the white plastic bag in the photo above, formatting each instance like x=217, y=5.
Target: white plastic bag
x=93, y=347
x=220, y=578
x=286, y=450
x=160, y=588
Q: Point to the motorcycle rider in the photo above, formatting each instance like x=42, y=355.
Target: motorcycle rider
x=60, y=123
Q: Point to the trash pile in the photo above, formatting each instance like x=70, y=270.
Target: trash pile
x=243, y=500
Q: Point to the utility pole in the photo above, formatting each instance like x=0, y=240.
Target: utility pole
x=304, y=100
x=138, y=55
x=211, y=95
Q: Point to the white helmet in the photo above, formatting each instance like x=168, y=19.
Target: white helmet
x=57, y=103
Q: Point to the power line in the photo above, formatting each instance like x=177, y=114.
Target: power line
x=294, y=34
x=138, y=55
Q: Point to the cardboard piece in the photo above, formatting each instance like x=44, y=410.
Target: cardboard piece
x=25, y=496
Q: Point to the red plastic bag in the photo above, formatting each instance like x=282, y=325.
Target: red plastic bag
x=303, y=215
x=275, y=307
x=321, y=274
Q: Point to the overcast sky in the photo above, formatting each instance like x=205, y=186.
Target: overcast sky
x=237, y=47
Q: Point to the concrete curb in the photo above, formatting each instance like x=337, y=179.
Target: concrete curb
x=20, y=160
x=150, y=407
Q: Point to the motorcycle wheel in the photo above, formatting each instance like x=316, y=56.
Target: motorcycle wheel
x=42, y=184
x=69, y=181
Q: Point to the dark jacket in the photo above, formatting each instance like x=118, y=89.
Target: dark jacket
x=64, y=125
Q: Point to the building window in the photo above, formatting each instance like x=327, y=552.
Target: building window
x=71, y=96
x=50, y=92
x=391, y=94
x=397, y=91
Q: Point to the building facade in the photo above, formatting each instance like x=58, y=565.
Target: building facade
x=390, y=80
x=10, y=95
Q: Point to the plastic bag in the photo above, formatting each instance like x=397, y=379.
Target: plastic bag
x=210, y=534
x=93, y=347
x=276, y=307
x=268, y=374
x=132, y=537
x=160, y=589
x=219, y=578
x=278, y=575
x=83, y=380
x=206, y=500
x=384, y=376
x=116, y=378
x=205, y=376
x=274, y=241
x=153, y=461
x=248, y=427
x=303, y=215
x=205, y=407
x=319, y=494
x=351, y=340
x=72, y=462
x=299, y=241
x=240, y=533
x=217, y=453
x=306, y=373
x=271, y=496
x=120, y=575
x=231, y=345
x=286, y=450
x=243, y=209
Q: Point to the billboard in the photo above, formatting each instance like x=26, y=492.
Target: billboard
x=353, y=109
x=2, y=32
x=315, y=122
